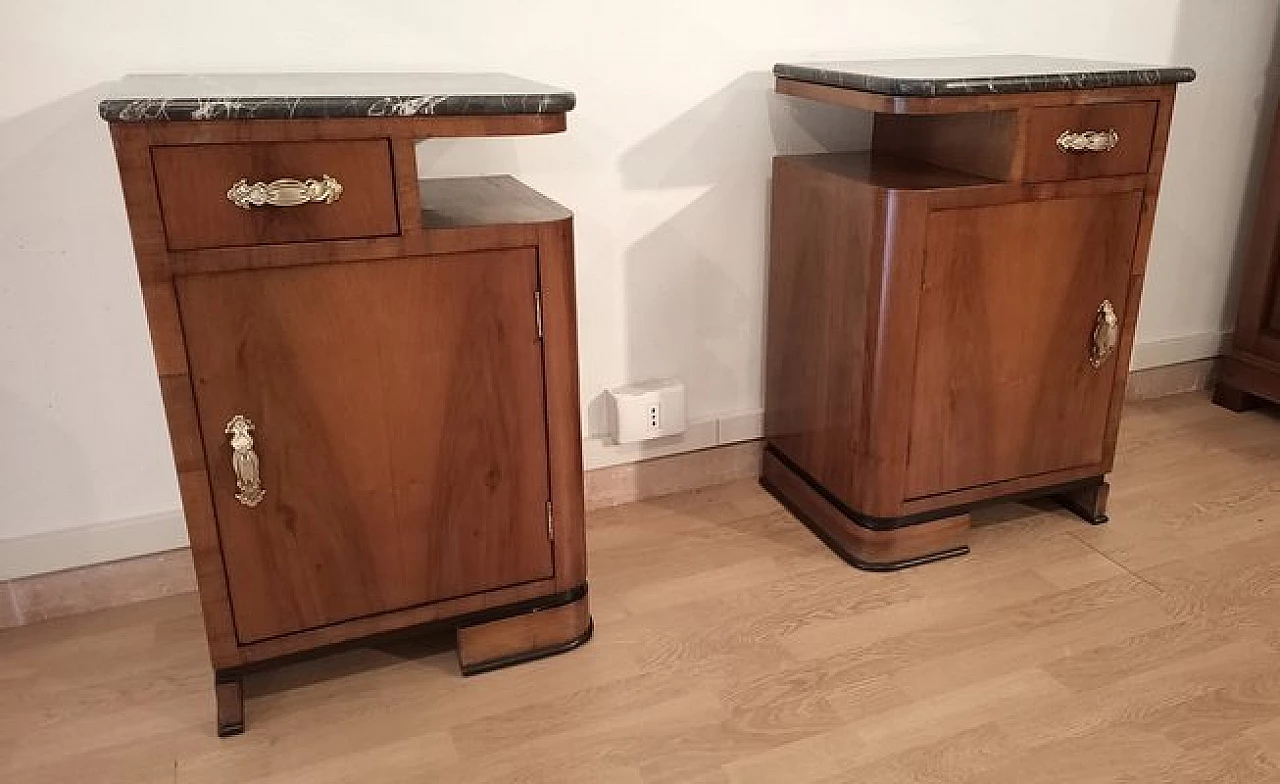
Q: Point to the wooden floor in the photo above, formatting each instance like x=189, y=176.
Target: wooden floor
x=732, y=647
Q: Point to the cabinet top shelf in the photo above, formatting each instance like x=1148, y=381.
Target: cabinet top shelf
x=461, y=202
x=993, y=75
x=185, y=97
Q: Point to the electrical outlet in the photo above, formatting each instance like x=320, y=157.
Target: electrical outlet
x=650, y=409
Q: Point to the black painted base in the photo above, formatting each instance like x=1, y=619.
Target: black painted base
x=534, y=655
x=228, y=691
x=1084, y=514
x=229, y=683
x=848, y=556
x=1088, y=502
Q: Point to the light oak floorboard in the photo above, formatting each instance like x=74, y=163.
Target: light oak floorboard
x=732, y=646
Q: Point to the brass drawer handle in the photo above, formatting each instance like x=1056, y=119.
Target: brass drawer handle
x=1106, y=334
x=285, y=193
x=1088, y=141
x=244, y=461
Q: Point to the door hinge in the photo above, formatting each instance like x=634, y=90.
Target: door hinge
x=537, y=310
x=551, y=526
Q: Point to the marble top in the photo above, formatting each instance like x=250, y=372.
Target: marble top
x=171, y=97
x=992, y=75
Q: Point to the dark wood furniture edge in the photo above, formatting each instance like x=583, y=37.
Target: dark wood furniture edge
x=1249, y=372
x=848, y=537
x=524, y=637
x=1245, y=380
x=556, y=283
x=228, y=693
x=142, y=207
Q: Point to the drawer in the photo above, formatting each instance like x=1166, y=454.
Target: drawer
x=331, y=190
x=1093, y=140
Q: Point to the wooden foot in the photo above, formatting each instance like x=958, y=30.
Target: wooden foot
x=861, y=546
x=1090, y=503
x=1234, y=399
x=521, y=638
x=228, y=691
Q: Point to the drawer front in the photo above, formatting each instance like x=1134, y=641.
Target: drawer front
x=1096, y=140
x=351, y=193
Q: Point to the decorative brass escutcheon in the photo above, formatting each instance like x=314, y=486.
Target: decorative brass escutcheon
x=1088, y=141
x=285, y=193
x=244, y=461
x=1106, y=334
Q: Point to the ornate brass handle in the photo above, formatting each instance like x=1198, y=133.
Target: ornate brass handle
x=285, y=193
x=1088, y=141
x=1106, y=334
x=244, y=461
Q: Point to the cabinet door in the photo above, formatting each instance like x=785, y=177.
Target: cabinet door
x=399, y=430
x=1004, y=386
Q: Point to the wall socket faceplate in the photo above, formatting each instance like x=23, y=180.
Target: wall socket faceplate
x=649, y=409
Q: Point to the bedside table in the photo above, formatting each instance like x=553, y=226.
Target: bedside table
x=951, y=314
x=370, y=380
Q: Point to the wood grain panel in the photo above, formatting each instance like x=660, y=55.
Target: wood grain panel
x=825, y=235
x=399, y=424
x=193, y=181
x=1003, y=385
x=982, y=143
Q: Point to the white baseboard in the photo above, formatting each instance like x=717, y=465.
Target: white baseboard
x=53, y=551
x=1173, y=351
x=601, y=452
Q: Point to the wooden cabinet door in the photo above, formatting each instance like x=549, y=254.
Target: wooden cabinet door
x=399, y=428
x=1004, y=387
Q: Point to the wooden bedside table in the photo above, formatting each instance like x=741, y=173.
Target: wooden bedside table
x=951, y=314
x=371, y=380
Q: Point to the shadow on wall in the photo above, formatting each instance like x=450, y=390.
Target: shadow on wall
x=694, y=283
x=1191, y=18
x=79, y=402
x=1202, y=203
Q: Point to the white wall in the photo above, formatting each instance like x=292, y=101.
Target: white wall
x=666, y=163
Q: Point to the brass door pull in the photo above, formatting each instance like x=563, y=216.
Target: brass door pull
x=285, y=193
x=1088, y=141
x=244, y=461
x=1106, y=334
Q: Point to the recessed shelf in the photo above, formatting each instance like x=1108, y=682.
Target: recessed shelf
x=458, y=202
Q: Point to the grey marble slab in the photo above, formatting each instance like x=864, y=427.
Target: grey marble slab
x=994, y=75
x=172, y=97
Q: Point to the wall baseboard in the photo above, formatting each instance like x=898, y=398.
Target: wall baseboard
x=1196, y=376
x=95, y=567
x=54, y=551
x=1179, y=350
